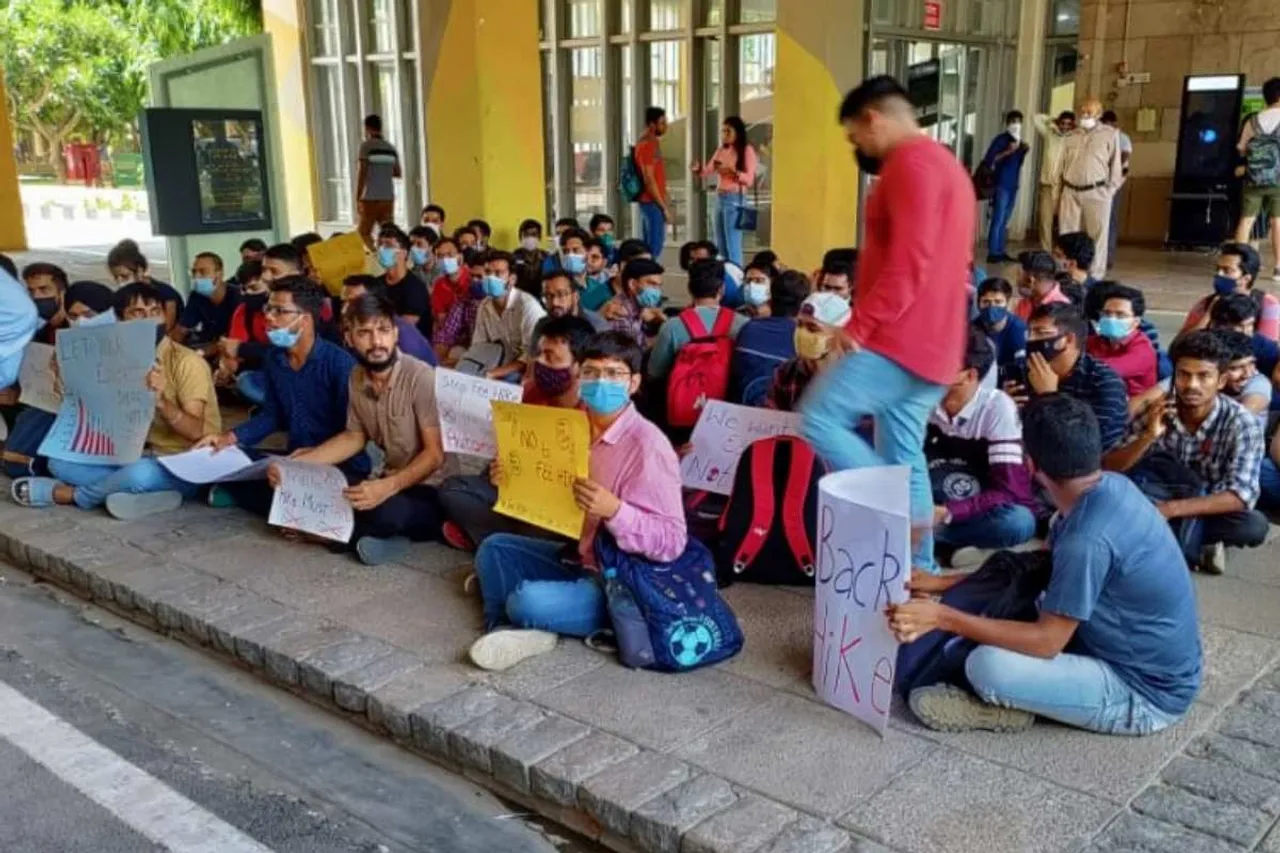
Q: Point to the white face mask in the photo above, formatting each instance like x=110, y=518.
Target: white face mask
x=1088, y=122
x=529, y=244
x=1015, y=130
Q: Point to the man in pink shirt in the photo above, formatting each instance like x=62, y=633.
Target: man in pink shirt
x=906, y=338
x=542, y=588
x=1038, y=283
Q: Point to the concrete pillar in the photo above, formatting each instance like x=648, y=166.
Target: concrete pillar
x=815, y=178
x=13, y=232
x=283, y=20
x=1027, y=88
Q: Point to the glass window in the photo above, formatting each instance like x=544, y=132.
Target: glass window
x=758, y=11
x=628, y=15
x=712, y=13
x=548, y=136
x=630, y=133
x=712, y=77
x=667, y=89
x=330, y=138
x=757, y=59
x=586, y=130
x=324, y=20
x=988, y=17
x=1065, y=20
x=583, y=18
x=381, y=27
x=667, y=14
x=385, y=94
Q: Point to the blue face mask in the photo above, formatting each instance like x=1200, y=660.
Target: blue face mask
x=1223, y=286
x=650, y=297
x=419, y=256
x=386, y=257
x=993, y=315
x=1113, y=328
x=495, y=286
x=575, y=264
x=106, y=318
x=604, y=396
x=284, y=337
x=203, y=286
x=755, y=294
x=449, y=266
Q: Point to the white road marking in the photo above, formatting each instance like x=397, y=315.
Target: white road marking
x=132, y=795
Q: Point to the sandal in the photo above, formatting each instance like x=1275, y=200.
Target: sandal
x=33, y=492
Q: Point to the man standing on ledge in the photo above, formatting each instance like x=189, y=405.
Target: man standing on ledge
x=905, y=340
x=377, y=170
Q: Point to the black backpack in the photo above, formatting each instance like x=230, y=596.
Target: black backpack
x=768, y=529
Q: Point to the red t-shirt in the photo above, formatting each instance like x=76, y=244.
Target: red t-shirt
x=446, y=291
x=649, y=153
x=240, y=331
x=1133, y=359
x=910, y=303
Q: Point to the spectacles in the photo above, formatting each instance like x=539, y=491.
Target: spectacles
x=613, y=374
x=280, y=311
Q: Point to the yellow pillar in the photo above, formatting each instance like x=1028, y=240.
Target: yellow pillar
x=13, y=232
x=483, y=78
x=815, y=201
x=282, y=19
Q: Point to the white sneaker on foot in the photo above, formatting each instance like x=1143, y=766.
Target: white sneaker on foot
x=501, y=650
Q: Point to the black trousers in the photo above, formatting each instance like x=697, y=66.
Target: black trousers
x=1162, y=477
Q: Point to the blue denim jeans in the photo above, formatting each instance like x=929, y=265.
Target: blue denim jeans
x=653, y=228
x=1003, y=527
x=94, y=483
x=728, y=237
x=866, y=383
x=1076, y=690
x=524, y=583
x=252, y=385
x=1001, y=212
x=1269, y=482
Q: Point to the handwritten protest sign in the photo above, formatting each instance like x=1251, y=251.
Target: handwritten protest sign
x=336, y=258
x=466, y=421
x=543, y=450
x=36, y=378
x=864, y=561
x=310, y=499
x=106, y=408
x=722, y=434
x=206, y=466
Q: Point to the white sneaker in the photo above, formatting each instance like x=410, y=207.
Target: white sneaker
x=502, y=650
x=1275, y=274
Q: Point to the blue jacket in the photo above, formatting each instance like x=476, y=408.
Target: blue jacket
x=1008, y=170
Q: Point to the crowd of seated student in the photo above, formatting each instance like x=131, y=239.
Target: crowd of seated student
x=588, y=325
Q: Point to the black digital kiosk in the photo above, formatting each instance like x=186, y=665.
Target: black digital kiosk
x=207, y=169
x=1204, y=181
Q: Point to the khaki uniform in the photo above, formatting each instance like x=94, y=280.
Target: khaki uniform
x=1092, y=172
x=1050, y=177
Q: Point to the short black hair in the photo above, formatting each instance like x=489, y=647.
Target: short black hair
x=1068, y=318
x=767, y=257
x=1109, y=117
x=574, y=331
x=1200, y=345
x=136, y=292
x=305, y=240
x=978, y=352
x=1250, y=262
x=55, y=272
x=466, y=229
x=553, y=274
x=373, y=305
x=422, y=232
x=571, y=233
x=127, y=254
x=873, y=93
x=1115, y=290
x=434, y=208
x=568, y=222
x=7, y=264
x=1038, y=263
x=492, y=255
x=474, y=257
x=253, y=244
x=1233, y=309
x=706, y=279
x=1077, y=246
x=631, y=248
x=843, y=261
x=307, y=295
x=393, y=232
x=768, y=269
x=687, y=250
x=371, y=283
x=287, y=253
x=620, y=346
x=482, y=228
x=653, y=115
x=1067, y=115
x=599, y=219
x=639, y=268
x=1012, y=116
x=1271, y=91
x=530, y=225
x=373, y=122
x=1237, y=344
x=1060, y=435
x=995, y=284
x=249, y=271
x=787, y=293
x=446, y=240
x=213, y=256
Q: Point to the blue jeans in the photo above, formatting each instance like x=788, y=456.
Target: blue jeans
x=1002, y=527
x=653, y=228
x=866, y=383
x=1269, y=482
x=1076, y=690
x=524, y=583
x=728, y=237
x=252, y=385
x=95, y=482
x=1001, y=212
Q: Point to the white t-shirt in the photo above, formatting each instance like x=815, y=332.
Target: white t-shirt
x=1268, y=120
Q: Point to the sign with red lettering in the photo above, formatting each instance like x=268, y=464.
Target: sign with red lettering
x=864, y=562
x=933, y=14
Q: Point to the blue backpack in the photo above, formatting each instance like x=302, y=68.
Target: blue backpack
x=762, y=346
x=667, y=616
x=629, y=180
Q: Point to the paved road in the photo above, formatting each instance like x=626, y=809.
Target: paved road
x=118, y=741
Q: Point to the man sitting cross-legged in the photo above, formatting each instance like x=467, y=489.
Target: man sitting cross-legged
x=633, y=491
x=1115, y=648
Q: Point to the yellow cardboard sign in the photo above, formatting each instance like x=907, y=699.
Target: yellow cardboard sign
x=336, y=258
x=543, y=450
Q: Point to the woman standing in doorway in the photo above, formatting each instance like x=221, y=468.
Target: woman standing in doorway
x=734, y=165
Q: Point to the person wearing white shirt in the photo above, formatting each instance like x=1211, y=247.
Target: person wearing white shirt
x=1110, y=119
x=507, y=316
x=1052, y=132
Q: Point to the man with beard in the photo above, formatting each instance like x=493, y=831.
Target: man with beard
x=392, y=402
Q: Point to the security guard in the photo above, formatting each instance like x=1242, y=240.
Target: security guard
x=1092, y=171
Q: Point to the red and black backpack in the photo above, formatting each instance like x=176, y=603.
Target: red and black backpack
x=768, y=528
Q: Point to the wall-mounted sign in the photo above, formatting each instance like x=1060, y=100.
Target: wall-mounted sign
x=933, y=14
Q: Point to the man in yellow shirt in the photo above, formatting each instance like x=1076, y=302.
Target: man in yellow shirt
x=186, y=410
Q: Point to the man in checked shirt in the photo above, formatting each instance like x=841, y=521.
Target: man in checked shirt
x=1198, y=455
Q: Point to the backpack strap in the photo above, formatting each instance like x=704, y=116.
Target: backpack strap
x=762, y=507
x=724, y=324
x=693, y=323
x=793, y=501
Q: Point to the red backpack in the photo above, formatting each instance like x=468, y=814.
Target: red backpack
x=701, y=371
x=768, y=529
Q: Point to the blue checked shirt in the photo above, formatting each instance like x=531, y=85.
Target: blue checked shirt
x=1226, y=451
x=1096, y=384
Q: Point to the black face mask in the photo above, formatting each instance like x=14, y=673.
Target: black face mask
x=255, y=301
x=380, y=366
x=47, y=308
x=1047, y=348
x=868, y=164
